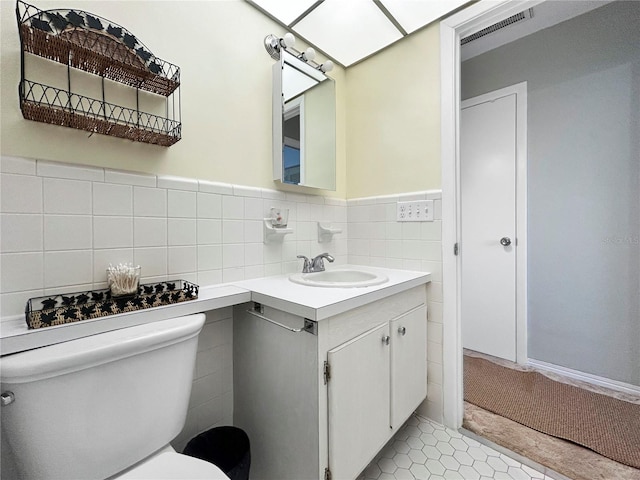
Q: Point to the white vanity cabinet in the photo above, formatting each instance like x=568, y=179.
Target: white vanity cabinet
x=314, y=404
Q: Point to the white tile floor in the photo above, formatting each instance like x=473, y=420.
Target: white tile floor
x=426, y=450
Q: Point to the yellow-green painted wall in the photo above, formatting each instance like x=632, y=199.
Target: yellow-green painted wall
x=388, y=106
x=226, y=94
x=393, y=118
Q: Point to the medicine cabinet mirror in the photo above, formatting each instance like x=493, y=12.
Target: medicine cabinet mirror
x=304, y=124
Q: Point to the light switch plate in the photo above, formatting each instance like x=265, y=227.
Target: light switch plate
x=415, y=211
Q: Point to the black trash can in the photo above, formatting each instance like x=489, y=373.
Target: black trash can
x=226, y=447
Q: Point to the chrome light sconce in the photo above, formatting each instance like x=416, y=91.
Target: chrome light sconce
x=274, y=45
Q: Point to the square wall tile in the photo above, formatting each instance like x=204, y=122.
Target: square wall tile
x=181, y=231
x=253, y=231
x=232, y=231
x=103, y=258
x=209, y=257
x=21, y=271
x=209, y=205
x=20, y=233
x=152, y=260
x=67, y=196
x=233, y=207
x=63, y=290
x=273, y=252
x=12, y=304
x=149, y=232
x=253, y=271
x=68, y=268
x=209, y=231
x=253, y=254
x=209, y=277
x=20, y=193
x=112, y=232
x=181, y=204
x=67, y=232
x=181, y=260
x=232, y=256
x=235, y=274
x=111, y=199
x=253, y=209
x=149, y=202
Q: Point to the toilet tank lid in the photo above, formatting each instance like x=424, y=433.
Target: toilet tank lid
x=87, y=352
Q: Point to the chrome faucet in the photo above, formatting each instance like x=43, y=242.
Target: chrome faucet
x=315, y=265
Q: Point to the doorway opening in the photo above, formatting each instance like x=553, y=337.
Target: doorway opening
x=580, y=227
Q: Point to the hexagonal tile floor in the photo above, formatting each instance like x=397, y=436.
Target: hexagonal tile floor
x=423, y=449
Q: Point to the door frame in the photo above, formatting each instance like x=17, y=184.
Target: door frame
x=520, y=91
x=470, y=20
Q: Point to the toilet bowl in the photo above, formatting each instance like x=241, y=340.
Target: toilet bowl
x=104, y=406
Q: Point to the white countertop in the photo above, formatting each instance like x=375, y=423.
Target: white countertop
x=314, y=303
x=318, y=303
x=16, y=337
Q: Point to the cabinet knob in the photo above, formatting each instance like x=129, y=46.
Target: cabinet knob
x=386, y=339
x=402, y=330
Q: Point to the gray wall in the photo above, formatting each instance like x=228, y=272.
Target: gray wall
x=584, y=203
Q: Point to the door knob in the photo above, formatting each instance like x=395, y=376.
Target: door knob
x=505, y=241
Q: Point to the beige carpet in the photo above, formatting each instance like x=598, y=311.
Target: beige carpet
x=601, y=423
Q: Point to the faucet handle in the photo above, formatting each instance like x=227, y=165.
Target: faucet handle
x=317, y=264
x=306, y=268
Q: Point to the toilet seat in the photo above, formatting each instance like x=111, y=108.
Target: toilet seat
x=173, y=466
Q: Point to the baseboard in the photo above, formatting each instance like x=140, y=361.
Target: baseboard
x=586, y=377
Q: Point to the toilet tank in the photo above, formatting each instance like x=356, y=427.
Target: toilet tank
x=91, y=407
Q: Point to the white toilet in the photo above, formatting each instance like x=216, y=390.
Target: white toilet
x=104, y=406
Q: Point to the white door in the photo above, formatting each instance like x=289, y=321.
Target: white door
x=358, y=394
x=488, y=161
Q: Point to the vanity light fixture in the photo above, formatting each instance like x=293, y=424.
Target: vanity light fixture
x=274, y=46
x=308, y=55
x=326, y=66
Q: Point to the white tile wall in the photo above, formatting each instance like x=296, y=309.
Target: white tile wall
x=63, y=224
x=66, y=196
x=377, y=239
x=211, y=402
x=110, y=199
x=149, y=202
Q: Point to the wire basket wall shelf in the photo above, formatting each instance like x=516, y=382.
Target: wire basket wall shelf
x=93, y=44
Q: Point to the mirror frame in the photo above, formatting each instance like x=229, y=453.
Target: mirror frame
x=279, y=113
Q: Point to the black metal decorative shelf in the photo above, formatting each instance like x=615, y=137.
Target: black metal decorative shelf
x=53, y=310
x=93, y=44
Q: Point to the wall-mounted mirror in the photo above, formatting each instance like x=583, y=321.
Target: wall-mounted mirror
x=304, y=124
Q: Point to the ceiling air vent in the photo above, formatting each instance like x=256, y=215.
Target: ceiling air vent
x=513, y=19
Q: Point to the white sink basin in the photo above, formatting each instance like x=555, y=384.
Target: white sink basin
x=339, y=278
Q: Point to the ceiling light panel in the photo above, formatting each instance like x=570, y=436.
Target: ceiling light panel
x=415, y=14
x=284, y=10
x=348, y=30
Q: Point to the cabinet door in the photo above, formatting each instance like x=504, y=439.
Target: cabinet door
x=358, y=395
x=408, y=364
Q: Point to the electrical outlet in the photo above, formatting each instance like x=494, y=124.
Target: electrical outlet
x=415, y=211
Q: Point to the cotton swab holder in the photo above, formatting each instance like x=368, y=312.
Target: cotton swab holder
x=123, y=279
